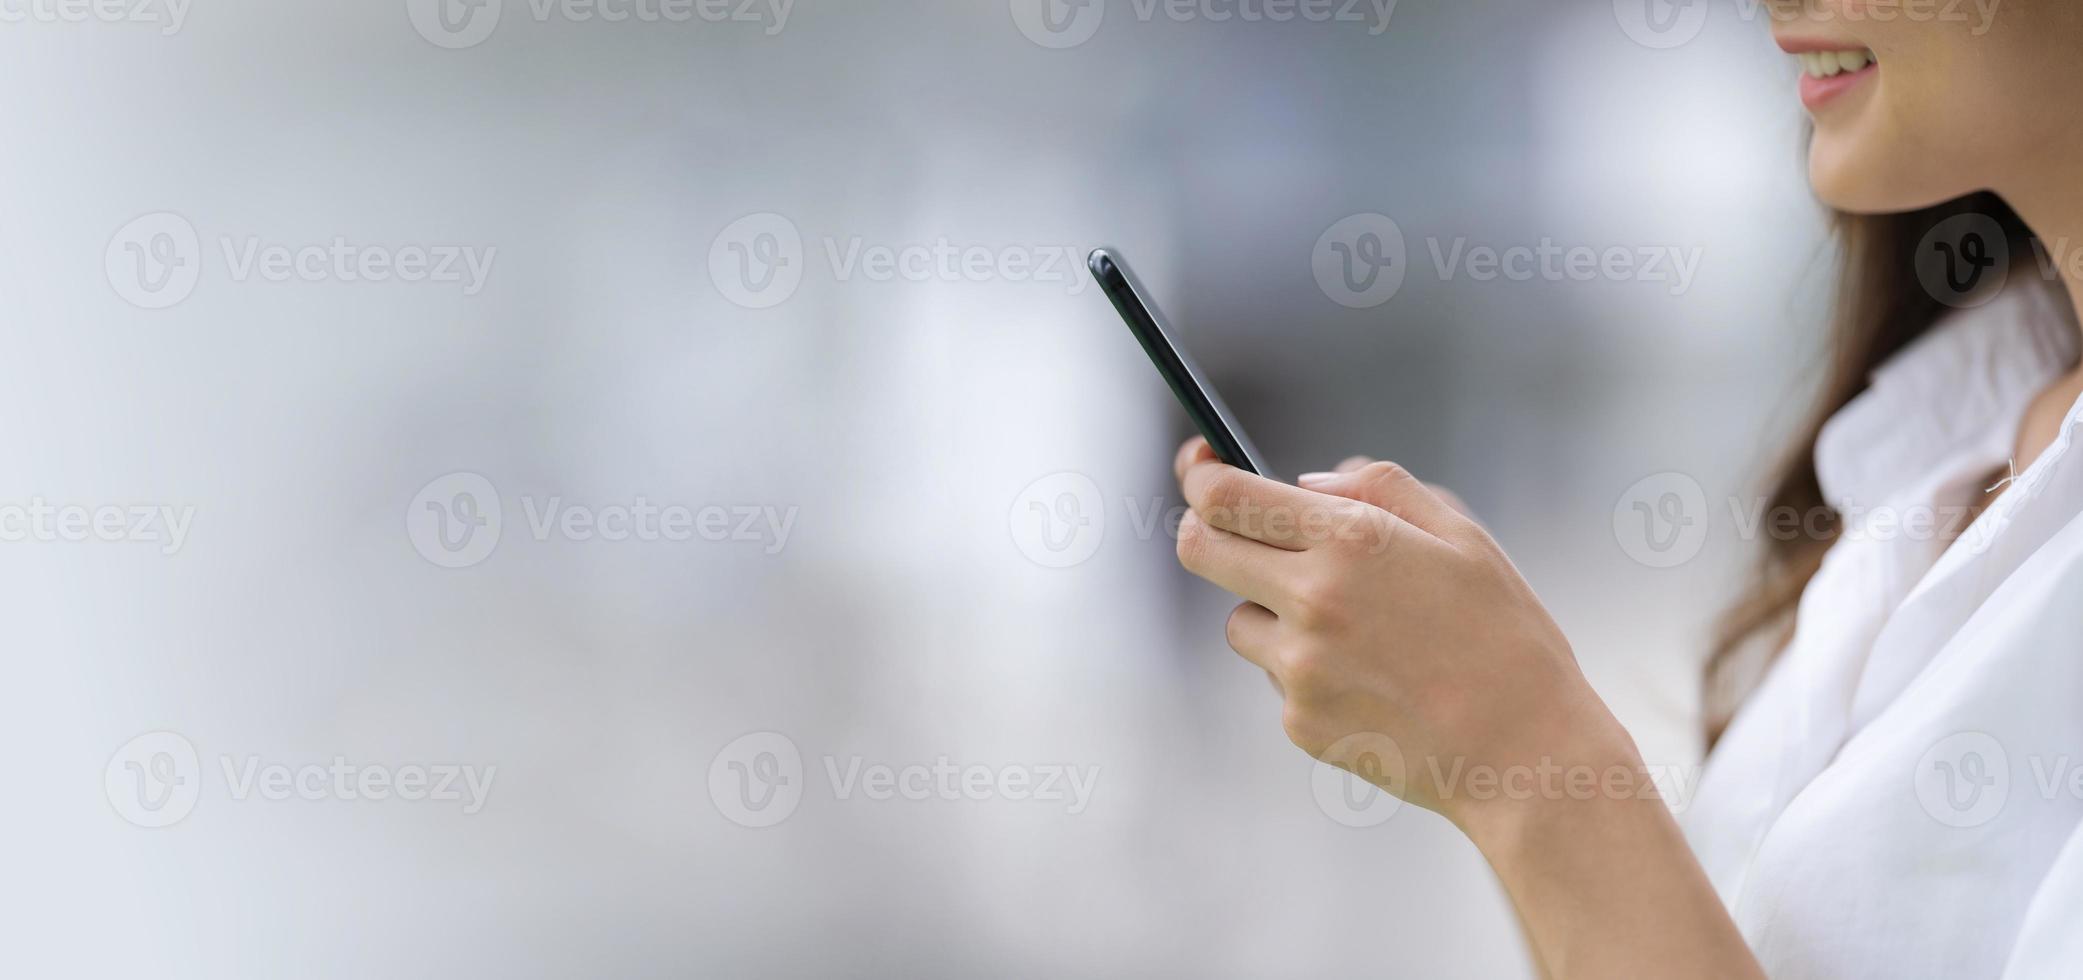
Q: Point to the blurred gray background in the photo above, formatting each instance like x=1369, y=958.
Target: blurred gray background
x=907, y=427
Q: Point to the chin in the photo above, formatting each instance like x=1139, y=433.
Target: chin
x=1858, y=176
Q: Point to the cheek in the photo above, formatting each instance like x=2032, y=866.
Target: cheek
x=1923, y=134
x=1958, y=104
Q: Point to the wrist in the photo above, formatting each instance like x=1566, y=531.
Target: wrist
x=1589, y=772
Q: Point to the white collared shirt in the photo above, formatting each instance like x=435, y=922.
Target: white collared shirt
x=1903, y=793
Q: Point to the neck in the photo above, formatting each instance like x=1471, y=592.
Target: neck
x=2054, y=212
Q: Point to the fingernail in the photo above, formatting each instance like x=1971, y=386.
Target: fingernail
x=1310, y=479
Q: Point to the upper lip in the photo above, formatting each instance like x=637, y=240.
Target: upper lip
x=1804, y=45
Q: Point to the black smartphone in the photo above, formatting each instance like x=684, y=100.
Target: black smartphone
x=1199, y=399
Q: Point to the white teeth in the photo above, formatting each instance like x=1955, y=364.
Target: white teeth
x=1823, y=64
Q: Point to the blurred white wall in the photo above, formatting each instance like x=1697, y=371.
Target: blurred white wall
x=901, y=428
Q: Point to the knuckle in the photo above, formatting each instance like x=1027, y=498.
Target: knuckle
x=1383, y=471
x=1317, y=603
x=1233, y=631
x=1226, y=493
x=1375, y=531
x=1297, y=724
x=1193, y=541
x=1306, y=673
x=1308, y=729
x=1355, y=527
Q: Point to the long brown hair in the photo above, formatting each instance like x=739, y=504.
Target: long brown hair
x=1880, y=308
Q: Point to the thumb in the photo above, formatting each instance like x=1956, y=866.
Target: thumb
x=1392, y=488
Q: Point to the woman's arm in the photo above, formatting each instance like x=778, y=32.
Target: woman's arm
x=1607, y=887
x=1410, y=651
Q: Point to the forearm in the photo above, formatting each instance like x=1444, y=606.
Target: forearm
x=1606, y=886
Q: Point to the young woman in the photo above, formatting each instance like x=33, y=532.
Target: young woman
x=1900, y=794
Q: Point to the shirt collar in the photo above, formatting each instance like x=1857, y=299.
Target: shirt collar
x=1950, y=401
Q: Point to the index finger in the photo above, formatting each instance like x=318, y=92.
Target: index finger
x=1268, y=511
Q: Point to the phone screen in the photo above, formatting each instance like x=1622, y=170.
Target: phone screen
x=1199, y=399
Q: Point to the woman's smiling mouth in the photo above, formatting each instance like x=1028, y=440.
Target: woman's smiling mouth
x=1827, y=73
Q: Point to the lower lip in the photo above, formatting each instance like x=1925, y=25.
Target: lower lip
x=1818, y=92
